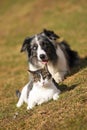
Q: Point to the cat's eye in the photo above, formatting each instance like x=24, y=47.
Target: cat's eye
x=48, y=76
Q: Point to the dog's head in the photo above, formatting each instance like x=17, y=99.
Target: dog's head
x=41, y=48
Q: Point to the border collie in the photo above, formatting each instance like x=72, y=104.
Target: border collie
x=48, y=48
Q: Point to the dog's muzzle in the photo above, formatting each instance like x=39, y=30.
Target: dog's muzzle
x=43, y=58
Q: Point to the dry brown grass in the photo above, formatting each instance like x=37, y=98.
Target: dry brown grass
x=19, y=19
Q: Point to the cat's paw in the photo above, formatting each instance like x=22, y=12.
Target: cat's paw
x=28, y=108
x=18, y=105
x=55, y=96
x=31, y=105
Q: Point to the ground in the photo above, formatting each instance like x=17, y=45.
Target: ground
x=20, y=19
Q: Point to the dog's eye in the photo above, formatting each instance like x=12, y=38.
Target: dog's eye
x=34, y=47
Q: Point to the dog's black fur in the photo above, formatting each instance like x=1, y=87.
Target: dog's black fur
x=71, y=55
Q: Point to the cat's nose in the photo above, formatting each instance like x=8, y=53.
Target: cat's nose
x=42, y=56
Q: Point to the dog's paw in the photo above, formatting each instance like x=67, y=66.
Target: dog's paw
x=58, y=78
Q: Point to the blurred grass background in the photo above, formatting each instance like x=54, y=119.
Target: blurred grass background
x=22, y=18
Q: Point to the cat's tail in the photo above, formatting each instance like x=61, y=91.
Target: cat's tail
x=18, y=93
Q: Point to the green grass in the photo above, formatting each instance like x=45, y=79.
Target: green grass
x=19, y=19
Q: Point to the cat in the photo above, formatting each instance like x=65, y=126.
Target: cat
x=43, y=89
x=23, y=95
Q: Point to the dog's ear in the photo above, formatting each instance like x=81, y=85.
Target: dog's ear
x=25, y=44
x=51, y=34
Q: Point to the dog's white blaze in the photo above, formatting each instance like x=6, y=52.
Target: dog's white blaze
x=39, y=50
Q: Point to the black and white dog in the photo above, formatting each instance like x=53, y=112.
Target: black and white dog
x=48, y=48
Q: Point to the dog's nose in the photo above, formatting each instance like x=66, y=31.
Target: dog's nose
x=42, y=56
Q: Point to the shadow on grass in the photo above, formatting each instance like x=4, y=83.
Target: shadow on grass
x=64, y=88
x=82, y=64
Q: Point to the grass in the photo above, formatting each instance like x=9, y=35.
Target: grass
x=19, y=19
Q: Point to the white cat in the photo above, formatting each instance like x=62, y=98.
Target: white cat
x=43, y=89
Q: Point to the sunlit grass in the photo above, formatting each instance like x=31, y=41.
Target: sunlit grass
x=19, y=19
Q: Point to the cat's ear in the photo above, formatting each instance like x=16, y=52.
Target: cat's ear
x=34, y=72
x=30, y=71
x=25, y=44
